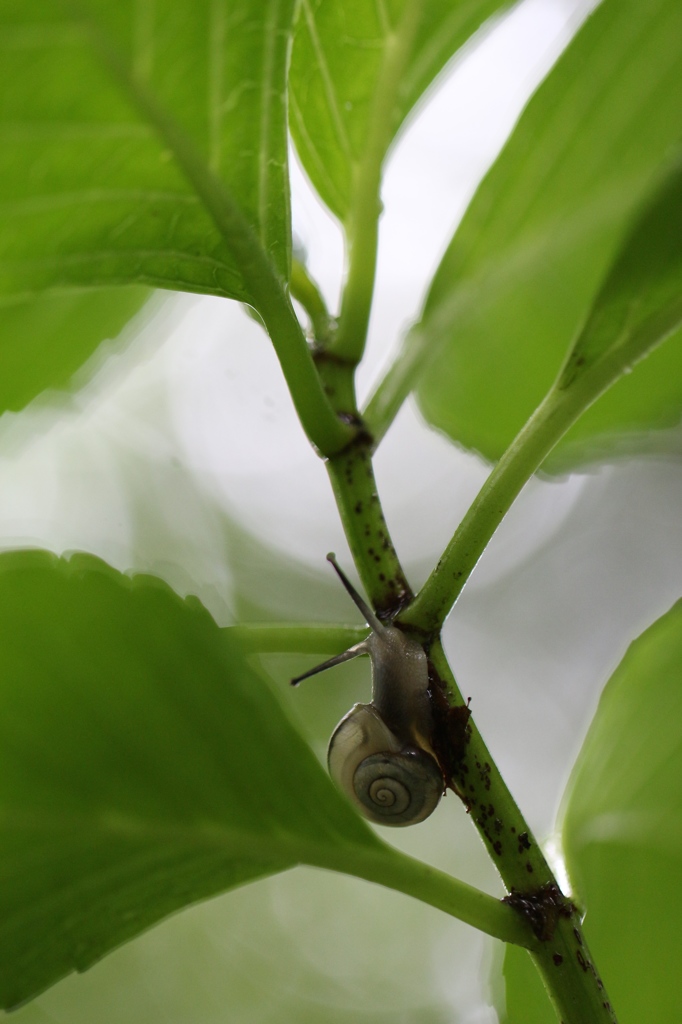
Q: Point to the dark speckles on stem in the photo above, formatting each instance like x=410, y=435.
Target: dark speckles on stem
x=358, y=508
x=484, y=774
x=578, y=937
x=524, y=841
x=558, y=959
x=529, y=867
x=541, y=907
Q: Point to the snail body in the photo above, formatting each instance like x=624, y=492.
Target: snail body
x=379, y=753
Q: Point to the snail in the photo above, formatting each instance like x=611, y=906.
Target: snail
x=379, y=754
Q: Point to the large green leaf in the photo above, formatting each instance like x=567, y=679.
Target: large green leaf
x=524, y=266
x=143, y=766
x=340, y=98
x=640, y=302
x=622, y=836
x=92, y=194
x=45, y=338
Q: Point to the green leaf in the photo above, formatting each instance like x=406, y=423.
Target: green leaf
x=622, y=837
x=621, y=830
x=91, y=192
x=526, y=999
x=47, y=337
x=523, y=268
x=640, y=302
x=338, y=100
x=143, y=766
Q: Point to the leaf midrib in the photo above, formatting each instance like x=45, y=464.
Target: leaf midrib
x=265, y=844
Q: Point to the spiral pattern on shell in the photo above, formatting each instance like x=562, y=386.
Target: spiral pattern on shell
x=398, y=788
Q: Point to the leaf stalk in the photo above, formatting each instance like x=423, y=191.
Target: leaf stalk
x=362, y=222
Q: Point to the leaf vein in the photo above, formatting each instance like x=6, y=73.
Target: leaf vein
x=327, y=82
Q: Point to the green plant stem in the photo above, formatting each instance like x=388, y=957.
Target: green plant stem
x=561, y=953
x=414, y=878
x=305, y=291
x=323, y=427
x=579, y=384
x=352, y=478
x=430, y=608
x=362, y=222
x=387, y=398
x=294, y=637
x=492, y=807
x=570, y=977
x=546, y=426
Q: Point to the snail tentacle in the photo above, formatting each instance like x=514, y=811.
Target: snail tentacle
x=380, y=753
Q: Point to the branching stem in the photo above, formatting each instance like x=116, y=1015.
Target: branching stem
x=323, y=427
x=295, y=637
x=362, y=222
x=562, y=406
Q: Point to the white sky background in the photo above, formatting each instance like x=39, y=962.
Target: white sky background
x=193, y=420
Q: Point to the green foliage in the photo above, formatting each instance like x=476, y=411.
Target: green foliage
x=621, y=823
x=47, y=337
x=640, y=302
x=144, y=762
x=621, y=836
x=144, y=766
x=91, y=189
x=526, y=1001
x=521, y=271
x=339, y=106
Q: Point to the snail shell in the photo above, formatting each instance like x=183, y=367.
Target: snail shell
x=380, y=753
x=391, y=784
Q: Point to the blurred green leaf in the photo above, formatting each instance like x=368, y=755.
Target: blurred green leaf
x=640, y=302
x=143, y=766
x=336, y=68
x=526, y=1001
x=540, y=234
x=46, y=338
x=91, y=194
x=621, y=826
x=622, y=835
